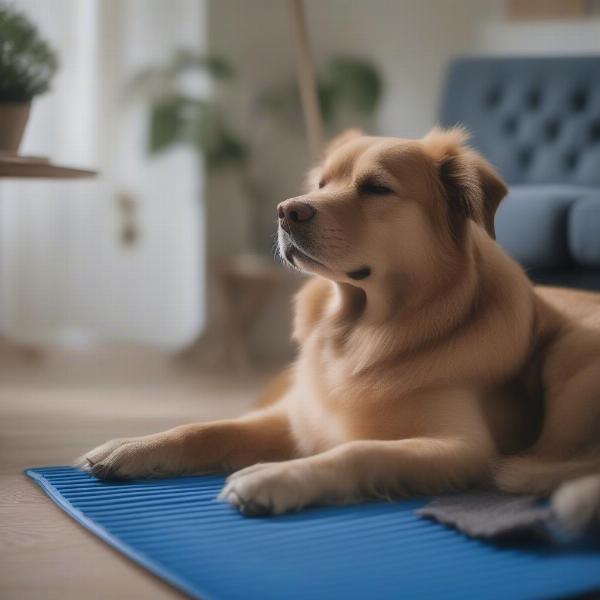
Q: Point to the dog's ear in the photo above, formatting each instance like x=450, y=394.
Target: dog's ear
x=313, y=175
x=493, y=190
x=472, y=187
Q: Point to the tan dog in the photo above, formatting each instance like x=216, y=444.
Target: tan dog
x=428, y=362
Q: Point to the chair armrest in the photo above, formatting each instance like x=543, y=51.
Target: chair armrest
x=583, y=231
x=531, y=225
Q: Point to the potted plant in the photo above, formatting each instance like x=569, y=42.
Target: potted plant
x=27, y=65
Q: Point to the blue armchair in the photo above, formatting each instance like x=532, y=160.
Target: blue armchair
x=537, y=120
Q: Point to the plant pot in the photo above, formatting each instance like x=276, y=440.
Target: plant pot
x=13, y=119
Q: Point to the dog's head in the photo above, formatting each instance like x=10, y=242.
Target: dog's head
x=387, y=206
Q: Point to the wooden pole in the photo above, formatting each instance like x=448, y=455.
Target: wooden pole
x=306, y=79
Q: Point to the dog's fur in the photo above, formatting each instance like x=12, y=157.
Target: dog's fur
x=428, y=362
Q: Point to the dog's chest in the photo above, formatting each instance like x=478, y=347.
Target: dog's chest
x=315, y=428
x=317, y=402
x=331, y=404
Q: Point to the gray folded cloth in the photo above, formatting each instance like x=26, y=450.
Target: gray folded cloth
x=493, y=515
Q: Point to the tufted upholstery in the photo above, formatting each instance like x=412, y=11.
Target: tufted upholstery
x=538, y=122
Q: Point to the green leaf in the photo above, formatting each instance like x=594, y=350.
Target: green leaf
x=228, y=150
x=211, y=135
x=327, y=101
x=357, y=84
x=165, y=125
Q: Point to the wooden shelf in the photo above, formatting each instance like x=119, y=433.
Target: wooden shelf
x=37, y=167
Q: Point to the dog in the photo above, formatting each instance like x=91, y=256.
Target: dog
x=427, y=363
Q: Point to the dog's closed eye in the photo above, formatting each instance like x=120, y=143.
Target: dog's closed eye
x=374, y=188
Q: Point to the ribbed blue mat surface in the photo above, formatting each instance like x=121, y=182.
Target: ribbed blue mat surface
x=177, y=530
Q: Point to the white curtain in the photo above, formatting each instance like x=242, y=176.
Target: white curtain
x=65, y=275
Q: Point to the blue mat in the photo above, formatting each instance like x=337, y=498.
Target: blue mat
x=177, y=530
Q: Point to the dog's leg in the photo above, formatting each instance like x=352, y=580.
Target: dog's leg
x=572, y=414
x=358, y=470
x=568, y=445
x=454, y=450
x=219, y=446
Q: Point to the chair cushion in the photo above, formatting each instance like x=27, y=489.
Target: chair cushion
x=531, y=225
x=584, y=231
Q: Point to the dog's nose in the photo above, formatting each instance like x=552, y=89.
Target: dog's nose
x=295, y=211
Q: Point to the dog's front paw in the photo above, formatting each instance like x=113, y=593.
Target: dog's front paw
x=271, y=488
x=156, y=455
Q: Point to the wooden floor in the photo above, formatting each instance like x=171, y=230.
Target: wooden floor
x=52, y=411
